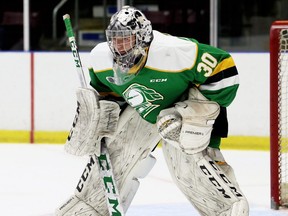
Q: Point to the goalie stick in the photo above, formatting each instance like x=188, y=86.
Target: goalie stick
x=104, y=163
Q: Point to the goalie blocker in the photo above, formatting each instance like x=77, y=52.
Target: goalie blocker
x=129, y=147
x=96, y=120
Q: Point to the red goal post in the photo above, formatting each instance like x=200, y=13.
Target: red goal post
x=279, y=114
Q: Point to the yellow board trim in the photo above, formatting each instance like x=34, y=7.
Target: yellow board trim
x=59, y=137
x=246, y=143
x=19, y=136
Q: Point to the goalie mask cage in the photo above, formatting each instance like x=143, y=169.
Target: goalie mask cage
x=279, y=114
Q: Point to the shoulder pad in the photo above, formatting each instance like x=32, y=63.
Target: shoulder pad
x=101, y=57
x=170, y=53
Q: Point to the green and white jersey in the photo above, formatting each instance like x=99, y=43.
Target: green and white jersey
x=173, y=66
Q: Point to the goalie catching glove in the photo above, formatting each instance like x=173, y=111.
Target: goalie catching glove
x=189, y=124
x=94, y=120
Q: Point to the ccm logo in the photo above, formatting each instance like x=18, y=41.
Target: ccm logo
x=85, y=174
x=216, y=183
x=158, y=80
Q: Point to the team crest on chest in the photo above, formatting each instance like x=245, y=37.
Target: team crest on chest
x=140, y=97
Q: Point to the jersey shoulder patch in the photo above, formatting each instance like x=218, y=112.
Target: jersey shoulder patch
x=101, y=58
x=171, y=54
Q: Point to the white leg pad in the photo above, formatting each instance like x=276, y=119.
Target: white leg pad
x=204, y=183
x=240, y=208
x=129, y=191
x=131, y=186
x=143, y=168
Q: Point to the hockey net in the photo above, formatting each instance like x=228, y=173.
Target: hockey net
x=279, y=114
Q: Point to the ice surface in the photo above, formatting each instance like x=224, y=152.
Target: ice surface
x=35, y=179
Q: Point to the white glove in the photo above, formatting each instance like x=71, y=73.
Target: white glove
x=198, y=117
x=189, y=124
x=169, y=125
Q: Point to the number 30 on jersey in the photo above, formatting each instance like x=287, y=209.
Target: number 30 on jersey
x=207, y=64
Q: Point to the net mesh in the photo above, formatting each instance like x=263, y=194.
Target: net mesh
x=283, y=115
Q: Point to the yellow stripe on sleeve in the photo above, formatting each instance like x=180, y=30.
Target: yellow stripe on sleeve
x=226, y=63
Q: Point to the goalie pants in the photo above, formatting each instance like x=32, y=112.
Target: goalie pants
x=220, y=129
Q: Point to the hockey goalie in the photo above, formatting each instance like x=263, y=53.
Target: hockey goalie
x=154, y=87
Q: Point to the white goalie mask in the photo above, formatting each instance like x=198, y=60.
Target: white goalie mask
x=129, y=35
